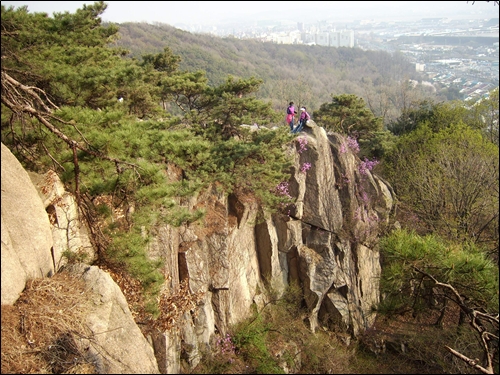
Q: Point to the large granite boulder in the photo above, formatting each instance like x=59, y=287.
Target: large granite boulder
x=26, y=234
x=117, y=345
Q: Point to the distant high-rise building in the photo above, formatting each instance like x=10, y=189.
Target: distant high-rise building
x=419, y=67
x=300, y=26
x=322, y=39
x=341, y=38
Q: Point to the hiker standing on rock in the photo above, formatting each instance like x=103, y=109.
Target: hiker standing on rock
x=290, y=114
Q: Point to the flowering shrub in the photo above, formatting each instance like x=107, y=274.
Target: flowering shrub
x=282, y=189
x=351, y=143
x=302, y=144
x=367, y=165
x=345, y=178
x=225, y=346
x=364, y=197
x=305, y=167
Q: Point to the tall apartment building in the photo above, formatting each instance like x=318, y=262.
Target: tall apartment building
x=343, y=38
x=330, y=38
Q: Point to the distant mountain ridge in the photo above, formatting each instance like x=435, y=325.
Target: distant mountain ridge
x=306, y=74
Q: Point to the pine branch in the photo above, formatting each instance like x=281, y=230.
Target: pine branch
x=22, y=99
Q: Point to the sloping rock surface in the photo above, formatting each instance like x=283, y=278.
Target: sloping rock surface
x=117, y=345
x=26, y=234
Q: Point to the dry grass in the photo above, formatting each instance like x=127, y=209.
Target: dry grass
x=40, y=331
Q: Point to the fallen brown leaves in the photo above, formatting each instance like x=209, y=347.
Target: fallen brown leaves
x=173, y=305
x=39, y=330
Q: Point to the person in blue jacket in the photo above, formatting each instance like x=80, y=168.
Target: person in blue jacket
x=304, y=117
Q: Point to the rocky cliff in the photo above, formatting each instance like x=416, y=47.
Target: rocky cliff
x=326, y=242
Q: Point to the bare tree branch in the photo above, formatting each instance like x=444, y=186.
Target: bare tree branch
x=476, y=319
x=469, y=361
x=22, y=99
x=494, y=2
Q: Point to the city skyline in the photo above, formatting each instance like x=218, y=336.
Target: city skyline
x=185, y=14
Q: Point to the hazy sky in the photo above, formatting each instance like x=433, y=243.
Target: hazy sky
x=211, y=12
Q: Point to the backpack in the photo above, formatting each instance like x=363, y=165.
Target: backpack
x=289, y=111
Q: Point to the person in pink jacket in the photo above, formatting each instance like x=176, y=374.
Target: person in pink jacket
x=290, y=114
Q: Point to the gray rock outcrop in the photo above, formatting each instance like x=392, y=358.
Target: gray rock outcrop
x=69, y=233
x=341, y=207
x=26, y=235
x=117, y=344
x=326, y=242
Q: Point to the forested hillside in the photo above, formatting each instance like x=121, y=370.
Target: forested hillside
x=308, y=75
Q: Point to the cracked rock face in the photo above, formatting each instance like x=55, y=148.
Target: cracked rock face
x=327, y=242
x=341, y=209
